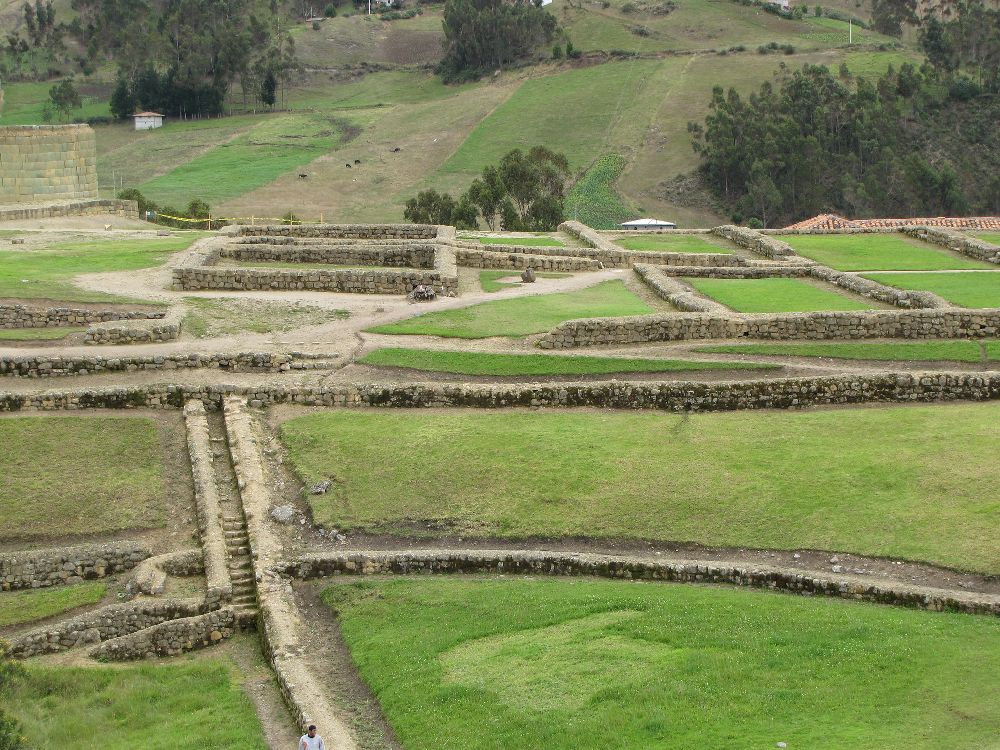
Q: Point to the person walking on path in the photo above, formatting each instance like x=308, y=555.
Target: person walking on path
x=311, y=741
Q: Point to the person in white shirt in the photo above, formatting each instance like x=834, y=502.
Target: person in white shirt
x=311, y=741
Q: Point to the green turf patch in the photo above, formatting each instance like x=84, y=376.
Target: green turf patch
x=523, y=316
x=214, y=317
x=914, y=482
x=304, y=266
x=165, y=707
x=513, y=365
x=37, y=334
x=79, y=475
x=47, y=273
x=774, y=295
x=527, y=241
x=272, y=147
x=992, y=237
x=671, y=243
x=18, y=607
x=594, y=200
x=876, y=252
x=592, y=664
x=963, y=289
x=916, y=351
x=490, y=280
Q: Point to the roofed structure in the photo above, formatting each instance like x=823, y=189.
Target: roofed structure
x=829, y=222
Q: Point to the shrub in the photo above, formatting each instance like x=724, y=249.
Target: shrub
x=754, y=223
x=330, y=11
x=290, y=218
x=557, y=52
x=629, y=8
x=315, y=25
x=818, y=11
x=132, y=194
x=963, y=88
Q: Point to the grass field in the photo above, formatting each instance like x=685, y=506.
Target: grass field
x=523, y=316
x=165, y=707
x=513, y=365
x=774, y=295
x=37, y=334
x=212, y=317
x=670, y=243
x=964, y=289
x=79, y=475
x=17, y=607
x=876, y=252
x=910, y=351
x=992, y=237
x=490, y=280
x=895, y=481
x=47, y=273
x=527, y=241
x=24, y=102
x=593, y=664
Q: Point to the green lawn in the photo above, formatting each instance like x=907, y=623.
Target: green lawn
x=173, y=706
x=490, y=280
x=671, y=243
x=523, y=316
x=992, y=237
x=79, y=475
x=17, y=607
x=513, y=365
x=251, y=160
x=876, y=252
x=585, y=664
x=527, y=241
x=47, y=273
x=915, y=482
x=23, y=104
x=774, y=295
x=915, y=351
x=37, y=334
x=964, y=289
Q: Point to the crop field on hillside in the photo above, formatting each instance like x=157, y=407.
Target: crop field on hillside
x=47, y=273
x=111, y=480
x=523, y=316
x=589, y=664
x=902, y=351
x=877, y=252
x=774, y=295
x=521, y=365
x=163, y=707
x=972, y=289
x=914, y=482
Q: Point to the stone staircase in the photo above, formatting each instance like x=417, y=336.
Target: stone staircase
x=244, y=600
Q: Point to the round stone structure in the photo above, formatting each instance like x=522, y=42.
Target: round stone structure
x=44, y=163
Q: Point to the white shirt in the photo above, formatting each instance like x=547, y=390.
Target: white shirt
x=311, y=743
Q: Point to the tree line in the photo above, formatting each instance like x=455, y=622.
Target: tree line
x=524, y=192
x=914, y=141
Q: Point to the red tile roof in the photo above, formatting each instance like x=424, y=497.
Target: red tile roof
x=832, y=221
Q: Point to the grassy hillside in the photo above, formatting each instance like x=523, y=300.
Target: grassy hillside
x=633, y=112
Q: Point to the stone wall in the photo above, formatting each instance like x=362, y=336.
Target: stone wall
x=104, y=206
x=112, y=621
x=613, y=566
x=615, y=256
x=218, y=581
x=47, y=162
x=166, y=329
x=475, y=258
x=676, y=292
x=43, y=366
x=754, y=241
x=170, y=638
x=342, y=280
x=958, y=242
x=150, y=576
x=26, y=316
x=904, y=298
x=403, y=256
x=672, y=395
x=947, y=323
x=347, y=231
x=31, y=569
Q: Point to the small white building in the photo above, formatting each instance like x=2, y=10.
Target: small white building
x=148, y=120
x=645, y=225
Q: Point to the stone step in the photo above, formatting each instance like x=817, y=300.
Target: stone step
x=238, y=551
x=245, y=599
x=236, y=534
x=237, y=565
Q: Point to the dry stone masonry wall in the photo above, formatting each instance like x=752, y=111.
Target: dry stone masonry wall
x=348, y=231
x=887, y=387
x=613, y=566
x=26, y=316
x=958, y=242
x=755, y=242
x=41, y=366
x=55, y=567
x=476, y=258
x=170, y=638
x=102, y=207
x=676, y=292
x=47, y=162
x=397, y=255
x=615, y=256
